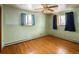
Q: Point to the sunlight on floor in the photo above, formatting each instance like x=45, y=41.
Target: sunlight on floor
x=61, y=51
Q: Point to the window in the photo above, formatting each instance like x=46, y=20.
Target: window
x=61, y=20
x=27, y=19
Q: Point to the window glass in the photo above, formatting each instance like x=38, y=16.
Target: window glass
x=61, y=20
x=29, y=19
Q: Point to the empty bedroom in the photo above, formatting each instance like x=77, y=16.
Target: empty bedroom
x=39, y=28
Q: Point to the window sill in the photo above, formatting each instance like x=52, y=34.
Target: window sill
x=61, y=25
x=28, y=25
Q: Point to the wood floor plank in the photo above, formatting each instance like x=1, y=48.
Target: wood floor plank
x=43, y=45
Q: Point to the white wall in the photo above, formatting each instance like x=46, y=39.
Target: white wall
x=13, y=31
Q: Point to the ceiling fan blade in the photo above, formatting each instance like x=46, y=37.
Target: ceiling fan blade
x=52, y=6
x=44, y=5
x=50, y=9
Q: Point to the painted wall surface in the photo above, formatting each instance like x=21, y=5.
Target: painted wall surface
x=13, y=31
x=60, y=32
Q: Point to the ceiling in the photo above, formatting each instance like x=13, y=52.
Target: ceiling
x=32, y=7
x=27, y=6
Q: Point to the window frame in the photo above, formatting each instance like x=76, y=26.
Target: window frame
x=59, y=21
x=28, y=21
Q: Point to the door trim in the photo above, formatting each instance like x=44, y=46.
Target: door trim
x=0, y=28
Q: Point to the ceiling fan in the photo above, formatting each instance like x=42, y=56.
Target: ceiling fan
x=47, y=8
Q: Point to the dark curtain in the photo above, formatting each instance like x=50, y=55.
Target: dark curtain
x=23, y=18
x=33, y=19
x=55, y=22
x=70, y=26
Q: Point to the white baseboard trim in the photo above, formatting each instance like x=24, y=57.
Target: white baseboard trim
x=16, y=42
x=72, y=40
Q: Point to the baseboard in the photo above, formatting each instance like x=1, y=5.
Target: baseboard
x=75, y=41
x=71, y=40
x=16, y=42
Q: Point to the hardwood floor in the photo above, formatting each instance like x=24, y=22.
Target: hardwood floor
x=43, y=45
